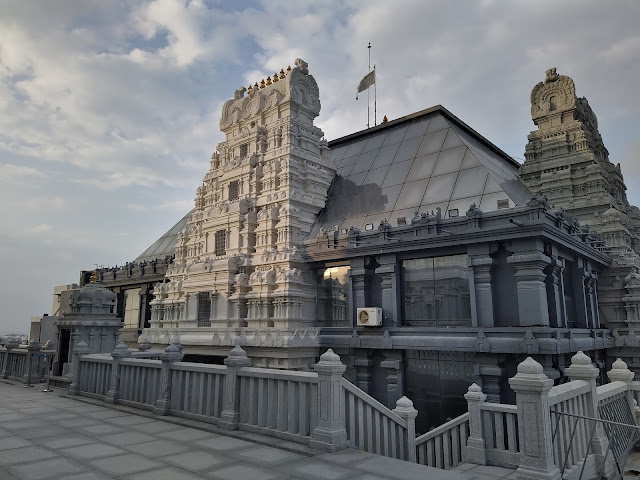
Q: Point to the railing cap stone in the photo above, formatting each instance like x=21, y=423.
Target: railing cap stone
x=330, y=356
x=530, y=366
x=580, y=359
x=619, y=364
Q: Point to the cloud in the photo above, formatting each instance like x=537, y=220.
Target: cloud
x=12, y=173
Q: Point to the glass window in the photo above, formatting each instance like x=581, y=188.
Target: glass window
x=234, y=190
x=131, y=307
x=333, y=297
x=204, y=309
x=244, y=150
x=220, y=242
x=436, y=292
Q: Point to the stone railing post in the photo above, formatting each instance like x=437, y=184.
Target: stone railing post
x=404, y=409
x=581, y=368
x=475, y=451
x=231, y=406
x=620, y=373
x=171, y=355
x=534, y=422
x=8, y=360
x=330, y=434
x=33, y=347
x=121, y=351
x=80, y=349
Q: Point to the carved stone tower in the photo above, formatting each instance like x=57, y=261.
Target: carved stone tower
x=566, y=161
x=238, y=276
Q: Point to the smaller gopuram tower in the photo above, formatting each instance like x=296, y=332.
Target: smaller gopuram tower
x=238, y=276
x=566, y=160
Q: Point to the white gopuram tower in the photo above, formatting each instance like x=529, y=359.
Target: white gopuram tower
x=238, y=276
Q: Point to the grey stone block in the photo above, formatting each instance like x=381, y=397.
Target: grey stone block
x=129, y=420
x=100, y=429
x=42, y=432
x=77, y=422
x=47, y=469
x=94, y=450
x=23, y=424
x=185, y=434
x=493, y=471
x=9, y=417
x=153, y=427
x=65, y=442
x=345, y=457
x=125, y=464
x=158, y=448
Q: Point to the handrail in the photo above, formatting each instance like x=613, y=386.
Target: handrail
x=442, y=428
x=275, y=374
x=610, y=389
x=566, y=391
x=499, y=407
x=351, y=388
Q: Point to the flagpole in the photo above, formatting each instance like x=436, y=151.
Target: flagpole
x=375, y=100
x=368, y=101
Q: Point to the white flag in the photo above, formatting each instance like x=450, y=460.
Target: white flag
x=368, y=80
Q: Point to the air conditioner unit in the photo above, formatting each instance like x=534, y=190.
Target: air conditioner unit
x=369, y=317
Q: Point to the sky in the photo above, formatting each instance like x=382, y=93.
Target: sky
x=109, y=111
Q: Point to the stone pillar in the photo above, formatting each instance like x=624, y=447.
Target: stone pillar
x=490, y=377
x=6, y=371
x=330, y=433
x=359, y=283
x=364, y=374
x=534, y=422
x=393, y=369
x=404, y=409
x=121, y=351
x=555, y=294
x=532, y=291
x=475, y=450
x=483, y=269
x=171, y=354
x=387, y=272
x=581, y=368
x=592, y=305
x=231, y=405
x=32, y=348
x=620, y=373
x=81, y=348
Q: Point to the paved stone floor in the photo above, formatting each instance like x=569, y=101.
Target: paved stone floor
x=50, y=436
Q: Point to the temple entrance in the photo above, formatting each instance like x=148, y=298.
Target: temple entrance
x=63, y=351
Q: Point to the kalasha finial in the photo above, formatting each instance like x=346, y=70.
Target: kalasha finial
x=282, y=73
x=262, y=85
x=288, y=69
x=275, y=77
x=268, y=80
x=385, y=120
x=94, y=277
x=249, y=89
x=256, y=85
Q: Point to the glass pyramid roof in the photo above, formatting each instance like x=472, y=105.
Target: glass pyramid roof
x=419, y=164
x=165, y=244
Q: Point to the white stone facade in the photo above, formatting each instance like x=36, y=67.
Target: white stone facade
x=238, y=276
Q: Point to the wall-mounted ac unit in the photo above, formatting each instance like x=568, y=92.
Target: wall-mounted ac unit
x=369, y=317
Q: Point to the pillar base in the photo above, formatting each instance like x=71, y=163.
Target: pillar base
x=329, y=440
x=528, y=473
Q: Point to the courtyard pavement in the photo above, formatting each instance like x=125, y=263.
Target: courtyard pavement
x=51, y=436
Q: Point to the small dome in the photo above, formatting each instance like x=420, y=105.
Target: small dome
x=92, y=298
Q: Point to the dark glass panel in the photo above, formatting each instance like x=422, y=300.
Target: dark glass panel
x=333, y=301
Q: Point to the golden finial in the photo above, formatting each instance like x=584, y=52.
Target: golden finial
x=249, y=89
x=268, y=80
x=256, y=85
x=275, y=77
x=281, y=73
x=262, y=85
x=288, y=69
x=94, y=277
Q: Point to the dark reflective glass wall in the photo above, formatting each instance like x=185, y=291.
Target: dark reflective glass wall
x=436, y=292
x=436, y=383
x=333, y=297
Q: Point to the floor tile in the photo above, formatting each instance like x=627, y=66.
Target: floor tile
x=126, y=438
x=158, y=448
x=313, y=469
x=153, y=427
x=184, y=434
x=195, y=461
x=94, y=450
x=129, y=420
x=223, y=443
x=7, y=443
x=125, y=464
x=77, y=422
x=101, y=429
x=45, y=431
x=87, y=476
x=265, y=455
x=165, y=474
x=26, y=454
x=243, y=472
x=47, y=469
x=65, y=442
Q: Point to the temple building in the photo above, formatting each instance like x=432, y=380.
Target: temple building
x=417, y=250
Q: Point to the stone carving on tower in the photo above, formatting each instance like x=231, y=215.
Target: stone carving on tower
x=566, y=161
x=238, y=276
